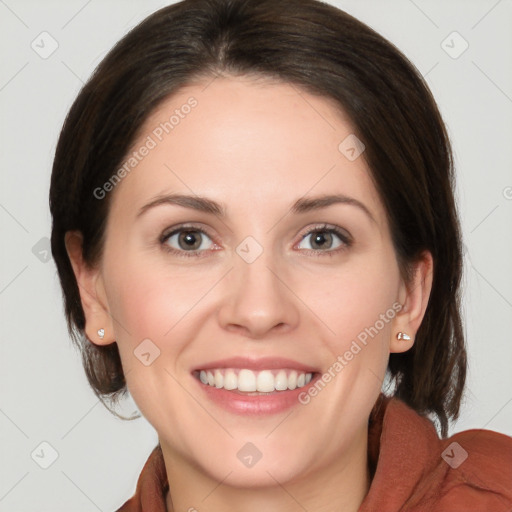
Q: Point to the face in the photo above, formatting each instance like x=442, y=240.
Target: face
x=250, y=265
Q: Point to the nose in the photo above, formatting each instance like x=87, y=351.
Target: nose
x=257, y=299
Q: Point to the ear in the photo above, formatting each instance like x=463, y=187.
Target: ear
x=414, y=298
x=92, y=292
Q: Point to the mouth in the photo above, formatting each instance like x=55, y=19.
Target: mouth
x=260, y=387
x=247, y=381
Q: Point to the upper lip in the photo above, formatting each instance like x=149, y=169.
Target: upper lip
x=262, y=363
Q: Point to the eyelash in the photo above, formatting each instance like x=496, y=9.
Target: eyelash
x=324, y=228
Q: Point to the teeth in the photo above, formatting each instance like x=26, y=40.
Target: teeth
x=292, y=380
x=230, y=381
x=219, y=379
x=265, y=381
x=281, y=381
x=246, y=380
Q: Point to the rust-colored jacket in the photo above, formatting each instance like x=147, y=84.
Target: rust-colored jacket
x=413, y=470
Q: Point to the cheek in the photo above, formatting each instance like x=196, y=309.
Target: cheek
x=149, y=308
x=153, y=301
x=142, y=304
x=356, y=303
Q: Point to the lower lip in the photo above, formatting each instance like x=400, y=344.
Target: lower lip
x=256, y=405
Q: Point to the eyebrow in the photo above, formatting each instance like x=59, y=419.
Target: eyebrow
x=302, y=205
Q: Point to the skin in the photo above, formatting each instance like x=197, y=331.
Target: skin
x=255, y=146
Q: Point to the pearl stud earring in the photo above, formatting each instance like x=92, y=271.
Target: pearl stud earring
x=101, y=333
x=402, y=336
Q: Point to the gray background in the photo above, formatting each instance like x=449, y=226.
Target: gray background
x=44, y=393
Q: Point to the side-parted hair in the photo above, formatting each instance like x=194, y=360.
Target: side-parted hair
x=321, y=50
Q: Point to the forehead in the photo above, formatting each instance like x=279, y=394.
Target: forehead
x=244, y=142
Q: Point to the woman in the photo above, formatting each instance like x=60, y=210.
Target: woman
x=255, y=231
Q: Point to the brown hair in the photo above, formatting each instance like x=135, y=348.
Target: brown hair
x=322, y=50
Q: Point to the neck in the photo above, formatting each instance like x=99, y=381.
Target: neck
x=340, y=484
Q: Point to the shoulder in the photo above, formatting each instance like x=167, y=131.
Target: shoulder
x=478, y=471
x=152, y=486
x=469, y=471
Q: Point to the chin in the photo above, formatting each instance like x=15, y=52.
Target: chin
x=261, y=475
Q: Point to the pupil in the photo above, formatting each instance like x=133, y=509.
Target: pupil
x=320, y=239
x=190, y=239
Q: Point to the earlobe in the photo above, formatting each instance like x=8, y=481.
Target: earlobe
x=98, y=324
x=415, y=296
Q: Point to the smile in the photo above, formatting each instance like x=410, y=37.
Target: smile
x=249, y=381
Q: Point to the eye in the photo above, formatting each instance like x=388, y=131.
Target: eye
x=192, y=241
x=325, y=239
x=187, y=240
